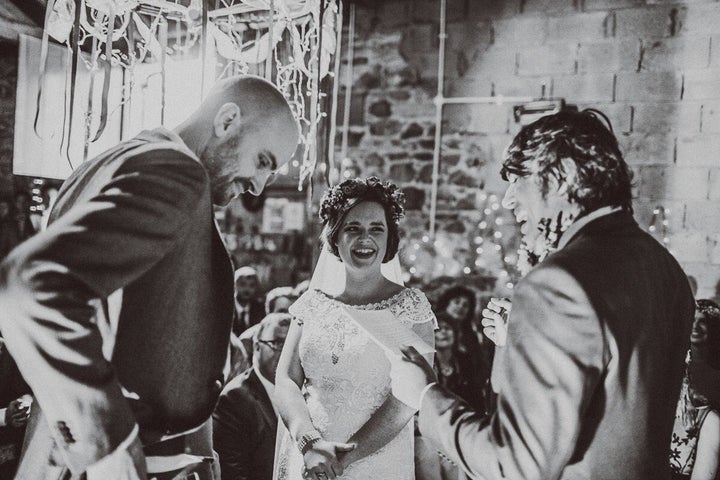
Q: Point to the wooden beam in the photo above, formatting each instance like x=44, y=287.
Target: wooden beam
x=33, y=9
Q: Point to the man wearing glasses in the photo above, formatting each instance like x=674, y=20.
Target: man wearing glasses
x=245, y=420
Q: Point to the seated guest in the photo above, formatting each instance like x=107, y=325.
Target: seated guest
x=278, y=300
x=705, y=365
x=695, y=444
x=244, y=421
x=15, y=401
x=248, y=309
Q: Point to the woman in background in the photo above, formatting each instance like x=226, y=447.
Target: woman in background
x=695, y=444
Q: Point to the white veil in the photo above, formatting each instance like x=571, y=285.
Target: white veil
x=329, y=273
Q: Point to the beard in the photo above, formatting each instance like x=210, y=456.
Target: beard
x=534, y=249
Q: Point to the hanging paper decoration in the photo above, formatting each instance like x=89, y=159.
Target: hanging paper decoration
x=293, y=42
x=296, y=40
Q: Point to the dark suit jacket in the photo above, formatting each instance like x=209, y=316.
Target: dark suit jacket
x=591, y=373
x=12, y=387
x=256, y=310
x=244, y=430
x=137, y=218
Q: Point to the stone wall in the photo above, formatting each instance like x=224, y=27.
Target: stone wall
x=652, y=66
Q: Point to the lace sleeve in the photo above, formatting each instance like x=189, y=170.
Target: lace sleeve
x=421, y=309
x=303, y=308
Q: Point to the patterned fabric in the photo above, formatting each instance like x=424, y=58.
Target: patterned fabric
x=348, y=379
x=683, y=446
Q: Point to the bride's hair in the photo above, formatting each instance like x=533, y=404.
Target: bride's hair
x=342, y=197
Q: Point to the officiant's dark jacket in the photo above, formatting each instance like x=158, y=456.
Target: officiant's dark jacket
x=244, y=429
x=137, y=218
x=590, y=377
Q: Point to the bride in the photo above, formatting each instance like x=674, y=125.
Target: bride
x=333, y=381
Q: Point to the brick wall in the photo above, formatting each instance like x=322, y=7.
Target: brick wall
x=653, y=66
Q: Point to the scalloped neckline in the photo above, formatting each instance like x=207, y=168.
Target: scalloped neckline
x=366, y=306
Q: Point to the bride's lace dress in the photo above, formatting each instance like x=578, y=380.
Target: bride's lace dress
x=348, y=379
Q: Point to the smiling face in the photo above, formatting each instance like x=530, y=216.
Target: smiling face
x=444, y=335
x=699, y=333
x=363, y=236
x=244, y=159
x=458, y=308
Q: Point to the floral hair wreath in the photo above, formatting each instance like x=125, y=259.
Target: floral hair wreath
x=339, y=199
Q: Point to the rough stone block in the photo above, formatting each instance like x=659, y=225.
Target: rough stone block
x=580, y=27
x=549, y=7
x=677, y=53
x=422, y=38
x=465, y=35
x=647, y=149
x=683, y=117
x=701, y=84
x=609, y=56
x=401, y=172
x=591, y=87
x=701, y=19
x=648, y=87
x=519, y=31
x=656, y=21
x=557, y=58
x=699, y=151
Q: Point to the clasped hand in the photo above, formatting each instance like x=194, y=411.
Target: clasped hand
x=323, y=459
x=17, y=413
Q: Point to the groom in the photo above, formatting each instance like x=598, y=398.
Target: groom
x=119, y=313
x=597, y=334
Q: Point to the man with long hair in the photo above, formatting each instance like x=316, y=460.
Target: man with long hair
x=598, y=330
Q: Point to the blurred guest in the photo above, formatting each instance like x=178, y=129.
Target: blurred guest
x=458, y=304
x=23, y=223
x=245, y=422
x=248, y=308
x=15, y=400
x=695, y=444
x=278, y=300
x=453, y=367
x=705, y=337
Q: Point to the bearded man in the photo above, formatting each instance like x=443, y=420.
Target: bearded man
x=598, y=330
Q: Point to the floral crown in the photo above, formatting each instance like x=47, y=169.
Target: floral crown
x=339, y=199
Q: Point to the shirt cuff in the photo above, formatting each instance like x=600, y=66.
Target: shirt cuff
x=2, y=417
x=424, y=391
x=117, y=461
